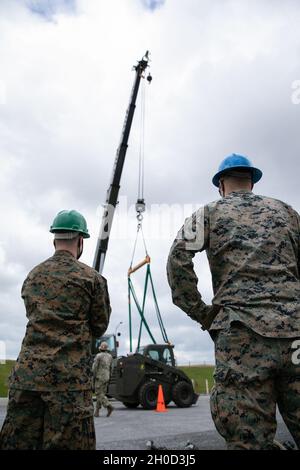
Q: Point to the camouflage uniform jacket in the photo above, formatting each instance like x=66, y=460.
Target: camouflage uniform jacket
x=253, y=248
x=66, y=303
x=102, y=367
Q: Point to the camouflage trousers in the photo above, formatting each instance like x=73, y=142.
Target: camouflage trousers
x=253, y=374
x=102, y=400
x=48, y=420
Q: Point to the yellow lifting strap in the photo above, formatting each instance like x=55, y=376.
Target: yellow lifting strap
x=147, y=260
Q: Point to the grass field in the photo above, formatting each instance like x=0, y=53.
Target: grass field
x=4, y=373
x=198, y=373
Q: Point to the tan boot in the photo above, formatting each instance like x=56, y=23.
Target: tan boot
x=96, y=414
x=110, y=409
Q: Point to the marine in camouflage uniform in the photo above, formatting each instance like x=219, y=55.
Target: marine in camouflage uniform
x=50, y=400
x=253, y=248
x=102, y=367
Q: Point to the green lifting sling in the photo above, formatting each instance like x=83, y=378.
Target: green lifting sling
x=141, y=306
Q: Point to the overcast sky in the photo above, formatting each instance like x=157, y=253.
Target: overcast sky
x=225, y=79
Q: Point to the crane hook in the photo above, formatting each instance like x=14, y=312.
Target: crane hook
x=140, y=207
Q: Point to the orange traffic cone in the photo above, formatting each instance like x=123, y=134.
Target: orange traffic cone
x=160, y=400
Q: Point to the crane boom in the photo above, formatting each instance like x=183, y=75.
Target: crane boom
x=113, y=190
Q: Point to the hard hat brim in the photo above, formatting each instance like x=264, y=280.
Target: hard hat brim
x=67, y=229
x=256, y=173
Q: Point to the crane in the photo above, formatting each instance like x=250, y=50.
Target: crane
x=109, y=210
x=135, y=378
x=114, y=187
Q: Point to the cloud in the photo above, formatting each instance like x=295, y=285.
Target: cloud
x=152, y=4
x=48, y=8
x=222, y=83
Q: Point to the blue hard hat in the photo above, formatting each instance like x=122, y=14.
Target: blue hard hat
x=236, y=162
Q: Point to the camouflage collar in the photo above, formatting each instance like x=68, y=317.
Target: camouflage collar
x=240, y=192
x=60, y=253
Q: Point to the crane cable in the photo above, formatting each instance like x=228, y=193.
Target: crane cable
x=138, y=230
x=140, y=208
x=140, y=205
x=142, y=144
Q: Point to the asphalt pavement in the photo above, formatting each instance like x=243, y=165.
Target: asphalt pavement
x=130, y=429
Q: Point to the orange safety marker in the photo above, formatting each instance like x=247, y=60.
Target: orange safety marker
x=160, y=407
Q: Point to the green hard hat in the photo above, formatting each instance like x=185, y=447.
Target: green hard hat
x=70, y=221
